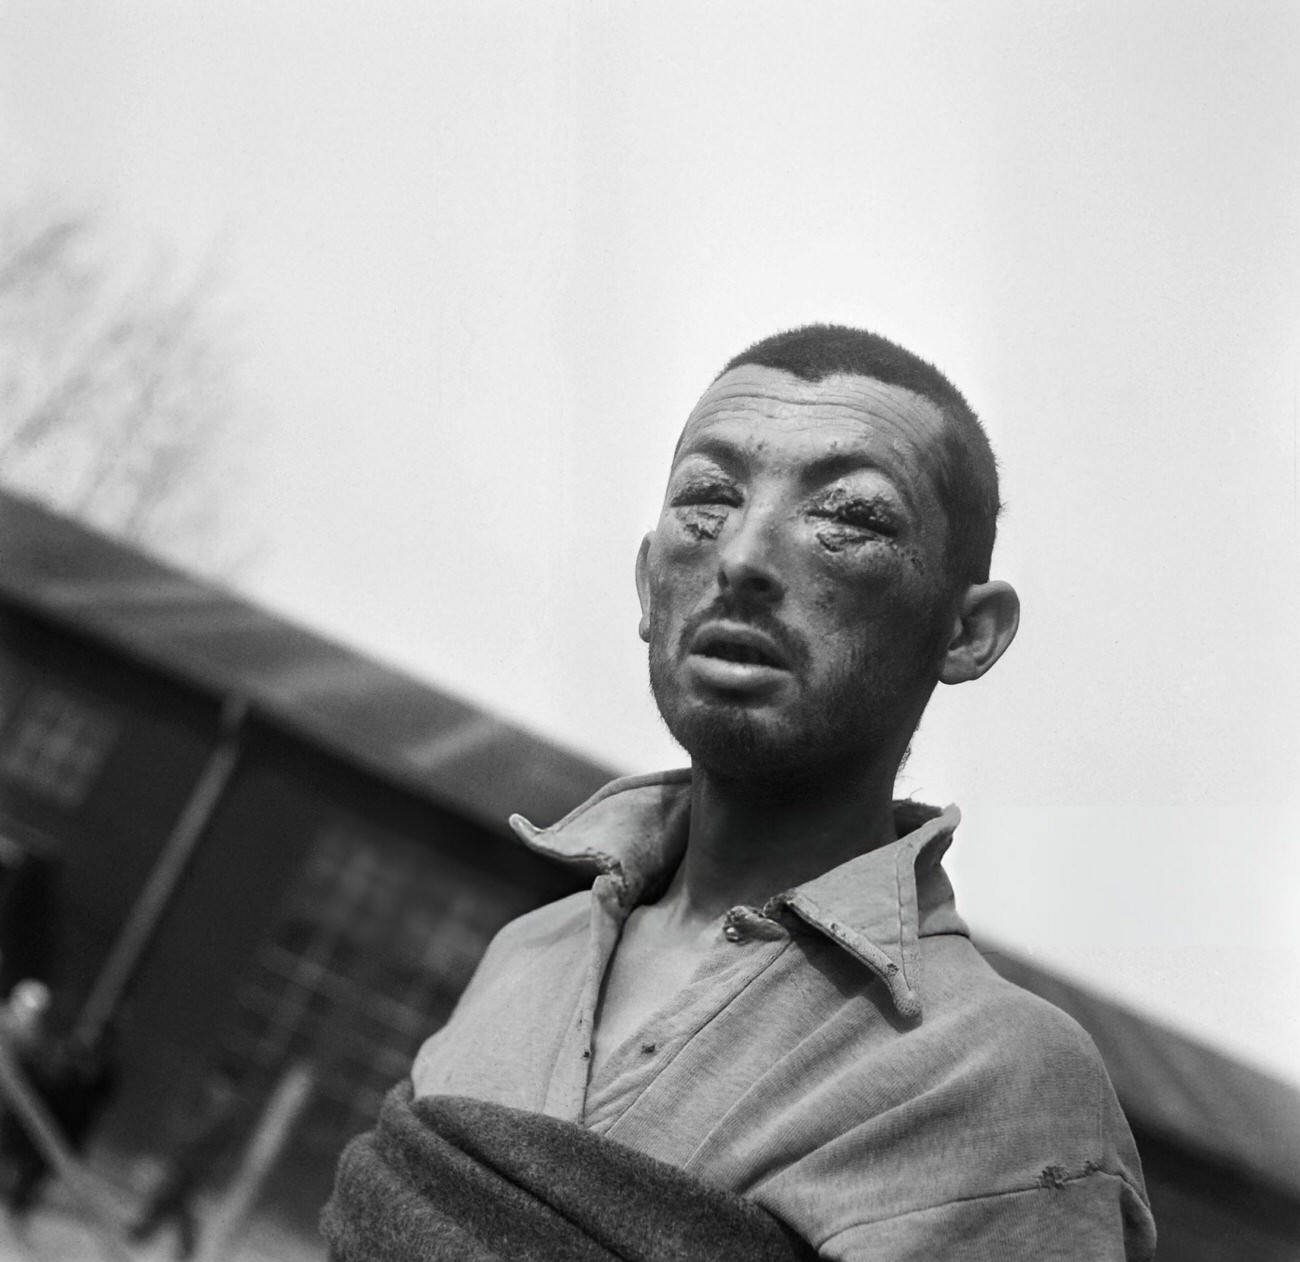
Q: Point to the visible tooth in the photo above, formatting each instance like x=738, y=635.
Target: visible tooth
x=742, y=654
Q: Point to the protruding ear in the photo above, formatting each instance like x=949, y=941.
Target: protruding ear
x=983, y=629
x=643, y=585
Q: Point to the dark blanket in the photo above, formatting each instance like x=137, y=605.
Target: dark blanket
x=446, y=1177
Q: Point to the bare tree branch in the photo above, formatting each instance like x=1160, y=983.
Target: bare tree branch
x=116, y=390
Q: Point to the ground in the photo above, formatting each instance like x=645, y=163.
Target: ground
x=56, y=1232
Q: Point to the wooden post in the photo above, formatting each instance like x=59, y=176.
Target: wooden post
x=128, y=950
x=278, y=1117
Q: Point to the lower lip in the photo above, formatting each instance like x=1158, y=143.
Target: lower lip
x=718, y=672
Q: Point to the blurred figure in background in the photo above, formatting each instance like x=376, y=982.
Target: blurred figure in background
x=73, y=1080
x=213, y=1132
x=24, y=1018
x=30, y=907
x=24, y=1015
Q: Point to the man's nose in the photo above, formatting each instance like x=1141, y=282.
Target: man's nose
x=747, y=563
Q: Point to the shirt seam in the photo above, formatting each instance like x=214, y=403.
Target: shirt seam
x=1099, y=1107
x=1052, y=1179
x=902, y=926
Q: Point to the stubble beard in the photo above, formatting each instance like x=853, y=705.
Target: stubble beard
x=855, y=719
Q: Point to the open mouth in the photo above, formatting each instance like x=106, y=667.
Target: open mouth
x=742, y=646
x=746, y=654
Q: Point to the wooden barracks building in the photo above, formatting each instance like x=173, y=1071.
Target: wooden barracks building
x=225, y=839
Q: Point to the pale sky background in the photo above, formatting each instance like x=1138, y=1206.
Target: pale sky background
x=484, y=257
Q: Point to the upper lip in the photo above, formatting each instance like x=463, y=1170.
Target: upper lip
x=714, y=639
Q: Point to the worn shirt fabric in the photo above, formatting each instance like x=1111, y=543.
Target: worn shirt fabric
x=843, y=1055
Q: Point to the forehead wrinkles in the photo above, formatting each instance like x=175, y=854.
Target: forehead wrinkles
x=909, y=424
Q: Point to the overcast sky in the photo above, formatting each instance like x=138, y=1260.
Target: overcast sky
x=483, y=257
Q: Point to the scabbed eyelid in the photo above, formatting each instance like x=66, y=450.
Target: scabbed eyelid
x=861, y=515
x=701, y=493
x=841, y=499
x=868, y=512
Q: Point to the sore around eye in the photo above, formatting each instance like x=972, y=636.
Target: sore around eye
x=705, y=493
x=859, y=514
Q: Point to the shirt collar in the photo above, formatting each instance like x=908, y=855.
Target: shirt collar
x=875, y=906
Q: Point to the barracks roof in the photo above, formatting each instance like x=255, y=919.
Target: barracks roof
x=376, y=717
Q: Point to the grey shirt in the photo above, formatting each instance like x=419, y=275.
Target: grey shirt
x=844, y=1056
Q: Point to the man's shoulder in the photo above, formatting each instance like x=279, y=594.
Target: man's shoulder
x=563, y=919
x=990, y=1097
x=967, y=1000
x=1027, y=1070
x=992, y=1094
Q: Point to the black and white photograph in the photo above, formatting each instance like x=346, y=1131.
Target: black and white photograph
x=650, y=631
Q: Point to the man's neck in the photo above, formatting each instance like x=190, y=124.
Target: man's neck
x=746, y=845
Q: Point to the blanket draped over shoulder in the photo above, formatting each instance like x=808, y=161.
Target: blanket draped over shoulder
x=445, y=1177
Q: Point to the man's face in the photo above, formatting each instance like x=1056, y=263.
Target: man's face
x=794, y=589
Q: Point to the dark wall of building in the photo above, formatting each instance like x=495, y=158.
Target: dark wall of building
x=183, y=998
x=97, y=757
x=326, y=917
x=328, y=920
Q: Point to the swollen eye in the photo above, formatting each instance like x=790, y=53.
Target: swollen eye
x=864, y=521
x=705, y=497
x=860, y=515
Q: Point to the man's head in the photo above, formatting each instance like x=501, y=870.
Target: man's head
x=821, y=559
x=965, y=468
x=29, y=1005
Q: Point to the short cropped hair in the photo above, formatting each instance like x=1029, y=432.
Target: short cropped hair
x=968, y=471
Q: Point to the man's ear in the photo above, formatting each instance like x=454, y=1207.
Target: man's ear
x=983, y=628
x=643, y=585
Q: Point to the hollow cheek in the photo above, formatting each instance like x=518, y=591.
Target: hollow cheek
x=675, y=590
x=683, y=559
x=680, y=546
x=885, y=593
x=864, y=578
